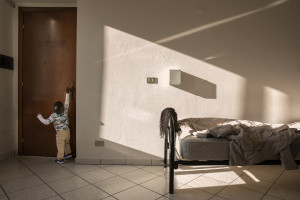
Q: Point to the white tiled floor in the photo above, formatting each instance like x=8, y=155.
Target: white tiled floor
x=35, y=178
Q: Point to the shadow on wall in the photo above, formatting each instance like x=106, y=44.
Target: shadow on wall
x=258, y=40
x=197, y=86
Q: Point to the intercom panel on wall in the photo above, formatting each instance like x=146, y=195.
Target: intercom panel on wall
x=6, y=62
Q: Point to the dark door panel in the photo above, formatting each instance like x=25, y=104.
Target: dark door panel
x=48, y=67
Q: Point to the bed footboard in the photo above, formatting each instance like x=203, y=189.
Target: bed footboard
x=170, y=144
x=170, y=139
x=172, y=155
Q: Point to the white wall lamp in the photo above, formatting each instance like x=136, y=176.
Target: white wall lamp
x=175, y=77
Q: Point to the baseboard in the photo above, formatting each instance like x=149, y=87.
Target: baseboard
x=113, y=161
x=142, y=162
x=87, y=161
x=98, y=161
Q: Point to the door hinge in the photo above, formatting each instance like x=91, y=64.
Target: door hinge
x=22, y=83
x=23, y=26
x=22, y=140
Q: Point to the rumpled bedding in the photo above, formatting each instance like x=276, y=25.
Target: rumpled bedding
x=251, y=142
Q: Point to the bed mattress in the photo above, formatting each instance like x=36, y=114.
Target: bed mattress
x=194, y=148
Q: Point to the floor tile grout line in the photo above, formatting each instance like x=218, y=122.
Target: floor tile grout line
x=272, y=184
x=136, y=184
x=161, y=197
x=53, y=197
x=22, y=178
x=55, y=179
x=195, y=179
x=199, y=189
x=249, y=188
x=4, y=192
x=218, y=196
x=16, y=178
x=230, y=182
x=77, y=189
x=255, y=190
x=157, y=176
x=85, y=185
x=284, y=184
x=122, y=173
x=165, y=177
x=137, y=168
x=140, y=186
x=78, y=175
x=246, y=188
x=40, y=178
x=82, y=172
x=119, y=175
x=275, y=197
x=243, y=186
x=271, y=172
x=25, y=188
x=151, y=189
x=121, y=190
x=153, y=172
x=127, y=173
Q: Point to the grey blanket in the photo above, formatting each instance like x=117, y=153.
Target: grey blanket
x=251, y=142
x=252, y=145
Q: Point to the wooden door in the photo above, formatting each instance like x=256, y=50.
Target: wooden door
x=48, y=66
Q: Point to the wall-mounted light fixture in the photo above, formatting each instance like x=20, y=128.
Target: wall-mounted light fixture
x=175, y=77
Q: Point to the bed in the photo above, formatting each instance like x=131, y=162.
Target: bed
x=211, y=144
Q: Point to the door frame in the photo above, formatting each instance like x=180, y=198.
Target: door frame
x=21, y=12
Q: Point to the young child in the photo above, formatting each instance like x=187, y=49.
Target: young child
x=61, y=124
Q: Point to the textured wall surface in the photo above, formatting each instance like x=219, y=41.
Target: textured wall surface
x=7, y=139
x=240, y=59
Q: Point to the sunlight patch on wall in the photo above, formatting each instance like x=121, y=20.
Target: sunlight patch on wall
x=130, y=108
x=275, y=105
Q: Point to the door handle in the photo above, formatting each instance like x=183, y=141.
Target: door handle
x=72, y=88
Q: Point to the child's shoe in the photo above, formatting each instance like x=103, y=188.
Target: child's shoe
x=62, y=161
x=68, y=156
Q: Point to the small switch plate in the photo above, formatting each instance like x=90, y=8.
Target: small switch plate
x=152, y=80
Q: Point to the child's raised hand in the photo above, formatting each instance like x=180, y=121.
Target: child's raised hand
x=39, y=116
x=67, y=90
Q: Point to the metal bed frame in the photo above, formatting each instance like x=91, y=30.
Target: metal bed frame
x=175, y=159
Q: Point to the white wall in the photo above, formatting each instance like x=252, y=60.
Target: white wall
x=243, y=52
x=6, y=83
x=246, y=54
